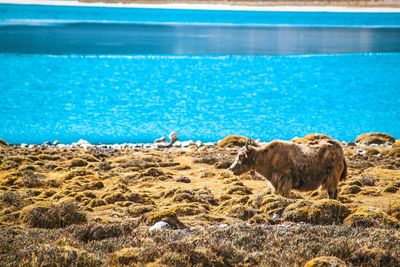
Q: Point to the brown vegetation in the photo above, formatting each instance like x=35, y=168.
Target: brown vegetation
x=95, y=206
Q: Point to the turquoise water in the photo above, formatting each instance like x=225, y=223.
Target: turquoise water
x=130, y=97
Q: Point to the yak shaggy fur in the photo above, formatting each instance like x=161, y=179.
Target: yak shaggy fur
x=287, y=165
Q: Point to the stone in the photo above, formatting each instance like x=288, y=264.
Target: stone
x=159, y=226
x=183, y=179
x=199, y=143
x=187, y=143
x=161, y=140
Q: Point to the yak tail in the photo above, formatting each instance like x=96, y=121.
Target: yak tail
x=344, y=172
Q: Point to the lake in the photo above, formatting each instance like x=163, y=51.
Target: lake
x=114, y=75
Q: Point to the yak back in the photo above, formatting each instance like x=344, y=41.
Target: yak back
x=307, y=164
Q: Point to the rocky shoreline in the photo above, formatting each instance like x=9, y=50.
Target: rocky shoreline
x=175, y=203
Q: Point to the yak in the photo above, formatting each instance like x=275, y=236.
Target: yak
x=288, y=165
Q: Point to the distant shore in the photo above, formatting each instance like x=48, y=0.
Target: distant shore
x=346, y=6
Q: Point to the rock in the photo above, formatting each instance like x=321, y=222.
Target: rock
x=390, y=189
x=371, y=217
x=374, y=138
x=56, y=142
x=351, y=144
x=350, y=189
x=199, y=143
x=310, y=137
x=361, y=152
x=47, y=143
x=183, y=179
x=209, y=144
x=177, y=144
x=3, y=143
x=159, y=226
x=162, y=145
x=326, y=211
x=325, y=261
x=235, y=141
x=187, y=143
x=223, y=225
x=173, y=137
x=161, y=140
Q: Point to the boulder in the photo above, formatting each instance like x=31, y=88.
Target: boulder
x=374, y=138
x=235, y=141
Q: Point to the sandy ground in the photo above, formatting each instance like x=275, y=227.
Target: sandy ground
x=290, y=6
x=52, y=187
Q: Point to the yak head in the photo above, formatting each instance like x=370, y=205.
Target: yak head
x=245, y=160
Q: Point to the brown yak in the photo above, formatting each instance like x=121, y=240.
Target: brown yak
x=287, y=165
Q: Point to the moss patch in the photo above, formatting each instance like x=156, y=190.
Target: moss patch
x=324, y=211
x=325, y=261
x=371, y=217
x=311, y=137
x=46, y=215
x=235, y=141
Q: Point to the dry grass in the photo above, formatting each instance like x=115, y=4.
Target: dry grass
x=95, y=206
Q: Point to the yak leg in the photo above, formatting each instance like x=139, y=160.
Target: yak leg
x=331, y=185
x=284, y=186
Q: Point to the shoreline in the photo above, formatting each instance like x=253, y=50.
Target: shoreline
x=221, y=7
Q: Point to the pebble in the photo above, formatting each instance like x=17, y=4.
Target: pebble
x=223, y=225
x=56, y=142
x=361, y=152
x=159, y=225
